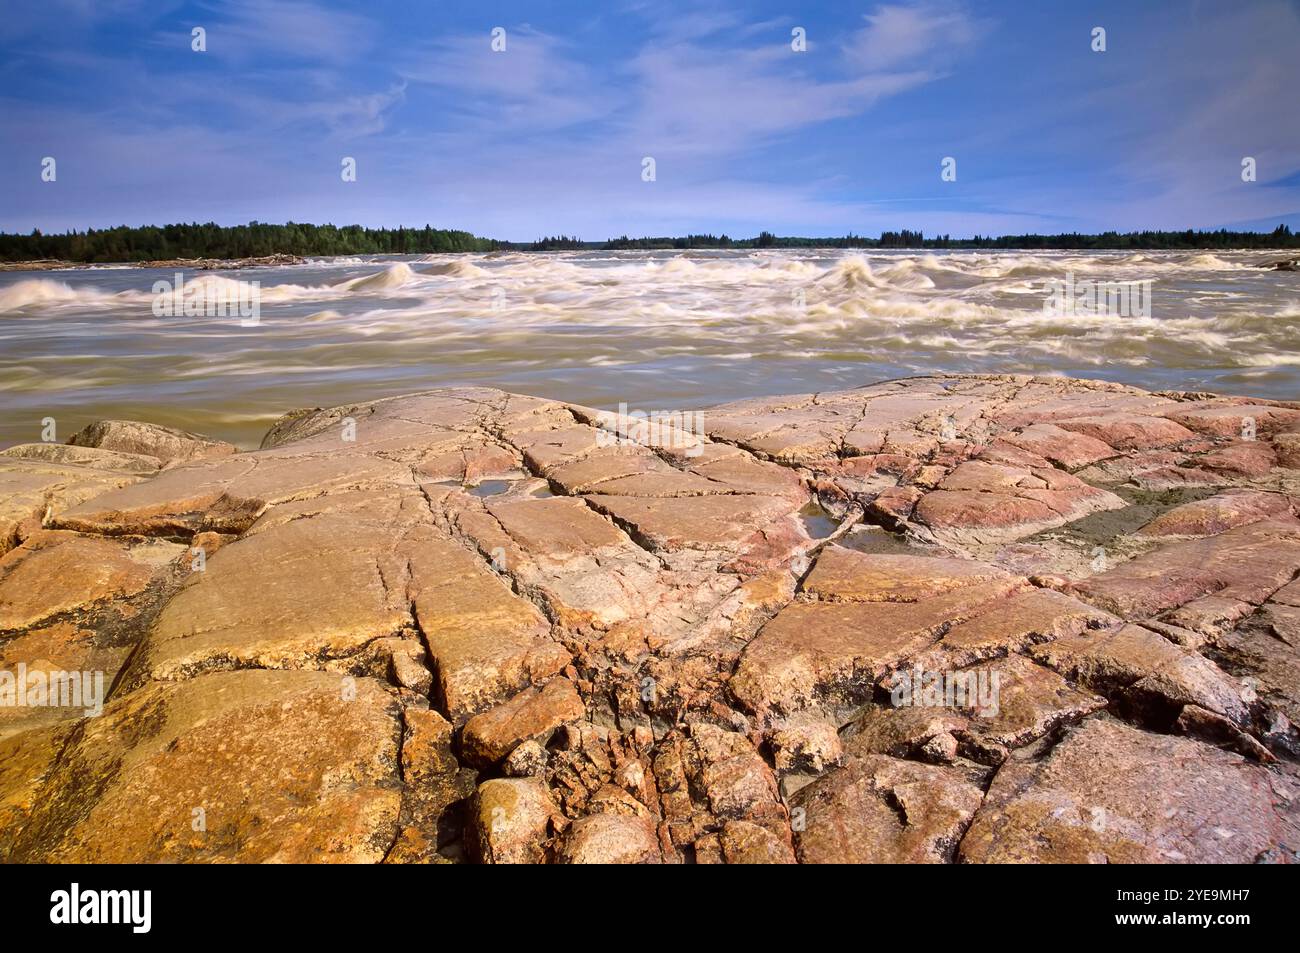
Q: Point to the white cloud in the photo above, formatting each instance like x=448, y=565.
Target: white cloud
x=907, y=36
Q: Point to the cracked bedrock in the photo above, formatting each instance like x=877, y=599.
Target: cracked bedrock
x=935, y=620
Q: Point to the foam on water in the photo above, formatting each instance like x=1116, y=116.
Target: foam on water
x=658, y=330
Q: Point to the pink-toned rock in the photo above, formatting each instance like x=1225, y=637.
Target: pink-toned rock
x=1152, y=675
x=1245, y=564
x=982, y=502
x=1066, y=448
x=1217, y=513
x=1287, y=447
x=832, y=653
x=1229, y=420
x=1129, y=431
x=1247, y=458
x=881, y=810
x=1109, y=793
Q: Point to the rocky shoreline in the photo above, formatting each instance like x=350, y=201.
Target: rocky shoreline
x=194, y=264
x=467, y=625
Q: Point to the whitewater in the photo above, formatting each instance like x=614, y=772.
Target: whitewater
x=659, y=331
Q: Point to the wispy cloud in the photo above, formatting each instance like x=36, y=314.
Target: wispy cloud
x=289, y=29
x=535, y=83
x=912, y=35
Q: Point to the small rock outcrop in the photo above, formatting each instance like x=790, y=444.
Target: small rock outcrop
x=164, y=444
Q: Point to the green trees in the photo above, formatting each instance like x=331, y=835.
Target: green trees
x=256, y=239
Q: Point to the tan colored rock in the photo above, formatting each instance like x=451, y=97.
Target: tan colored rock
x=1027, y=617
x=31, y=491
x=62, y=454
x=303, y=595
x=56, y=673
x=55, y=573
x=231, y=493
x=167, y=445
x=700, y=522
x=880, y=810
x=527, y=760
x=732, y=774
x=223, y=767
x=745, y=843
x=531, y=715
x=26, y=760
x=486, y=642
x=1147, y=669
x=511, y=821
x=435, y=786
x=608, y=838
x=842, y=575
x=806, y=743
x=832, y=653
x=913, y=731
x=1109, y=793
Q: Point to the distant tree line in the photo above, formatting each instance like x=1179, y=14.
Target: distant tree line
x=1280, y=237
x=257, y=239
x=556, y=243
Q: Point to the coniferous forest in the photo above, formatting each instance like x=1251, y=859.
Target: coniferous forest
x=257, y=239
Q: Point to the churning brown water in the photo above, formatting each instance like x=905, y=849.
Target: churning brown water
x=655, y=330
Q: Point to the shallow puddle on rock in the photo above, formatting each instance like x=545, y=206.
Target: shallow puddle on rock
x=878, y=541
x=817, y=523
x=490, y=487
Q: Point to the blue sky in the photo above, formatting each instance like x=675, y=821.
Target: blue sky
x=548, y=136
